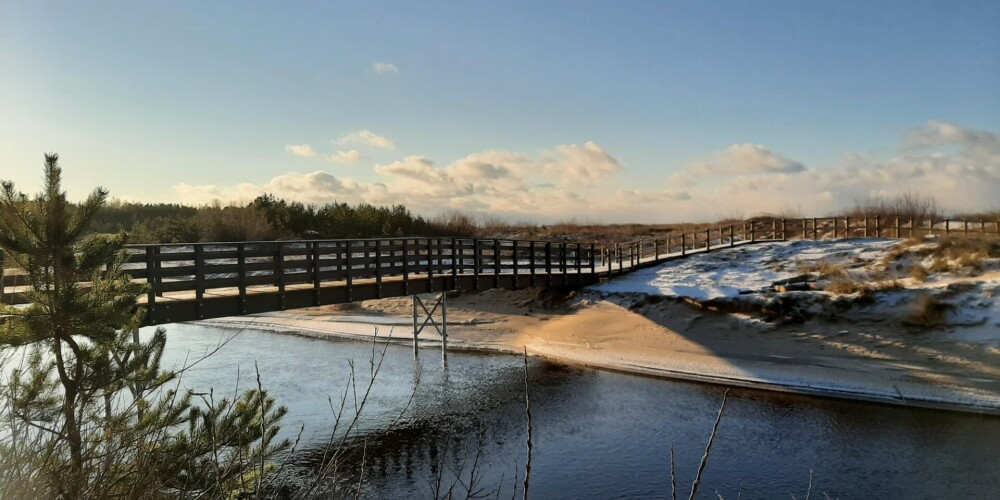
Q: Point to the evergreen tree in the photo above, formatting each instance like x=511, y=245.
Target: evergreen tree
x=90, y=413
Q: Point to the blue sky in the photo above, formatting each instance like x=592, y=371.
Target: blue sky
x=611, y=111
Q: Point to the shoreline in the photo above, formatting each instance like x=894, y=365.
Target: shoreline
x=719, y=349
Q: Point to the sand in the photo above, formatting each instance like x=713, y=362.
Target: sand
x=669, y=338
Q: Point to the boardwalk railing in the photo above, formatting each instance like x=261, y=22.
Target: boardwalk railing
x=204, y=280
x=631, y=255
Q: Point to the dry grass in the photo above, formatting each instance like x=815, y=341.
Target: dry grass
x=919, y=273
x=824, y=269
x=928, y=311
x=992, y=216
x=940, y=266
x=865, y=288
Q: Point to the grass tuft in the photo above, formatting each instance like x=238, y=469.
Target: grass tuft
x=919, y=273
x=928, y=311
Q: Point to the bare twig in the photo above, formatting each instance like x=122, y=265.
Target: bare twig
x=527, y=411
x=708, y=448
x=673, y=475
x=810, y=488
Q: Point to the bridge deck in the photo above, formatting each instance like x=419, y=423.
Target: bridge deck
x=191, y=281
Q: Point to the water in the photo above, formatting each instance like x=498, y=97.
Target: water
x=596, y=434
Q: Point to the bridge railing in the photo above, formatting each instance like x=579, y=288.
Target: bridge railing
x=203, y=267
x=624, y=257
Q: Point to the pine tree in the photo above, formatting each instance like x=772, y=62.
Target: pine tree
x=90, y=413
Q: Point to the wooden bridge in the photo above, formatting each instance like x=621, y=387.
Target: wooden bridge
x=192, y=281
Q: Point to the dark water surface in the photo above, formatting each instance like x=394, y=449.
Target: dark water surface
x=596, y=434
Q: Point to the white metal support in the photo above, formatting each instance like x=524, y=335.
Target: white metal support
x=439, y=301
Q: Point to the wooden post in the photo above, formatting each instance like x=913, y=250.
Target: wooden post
x=350, y=273
x=732, y=242
x=562, y=260
x=898, y=237
x=454, y=263
x=878, y=227
x=656, y=249
x=531, y=256
x=593, y=261
x=496, y=263
x=847, y=227
x=514, y=243
x=241, y=275
x=708, y=240
x=548, y=260
x=947, y=226
x=279, y=271
x=774, y=228
x=317, y=281
x=157, y=265
x=199, y=279
x=444, y=326
x=966, y=230
x=414, y=300
x=579, y=265
x=816, y=230
x=378, y=268
x=430, y=264
x=150, y=282
x=406, y=285
x=683, y=243
x=753, y=231
x=784, y=236
x=478, y=254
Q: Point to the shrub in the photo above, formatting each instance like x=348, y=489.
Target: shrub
x=91, y=414
x=906, y=205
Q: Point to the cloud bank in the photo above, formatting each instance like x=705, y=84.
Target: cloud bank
x=959, y=166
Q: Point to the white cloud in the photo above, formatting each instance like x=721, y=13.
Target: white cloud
x=366, y=138
x=746, y=159
x=315, y=187
x=350, y=157
x=385, y=68
x=935, y=134
x=585, y=164
x=300, y=150
x=959, y=166
x=964, y=178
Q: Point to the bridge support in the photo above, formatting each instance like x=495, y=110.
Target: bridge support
x=436, y=303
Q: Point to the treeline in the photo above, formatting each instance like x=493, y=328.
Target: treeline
x=271, y=218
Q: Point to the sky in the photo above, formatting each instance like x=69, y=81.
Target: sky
x=638, y=111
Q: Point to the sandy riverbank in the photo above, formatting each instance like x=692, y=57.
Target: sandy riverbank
x=667, y=337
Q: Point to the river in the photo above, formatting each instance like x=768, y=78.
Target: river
x=596, y=434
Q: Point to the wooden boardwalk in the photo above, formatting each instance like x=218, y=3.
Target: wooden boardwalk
x=192, y=281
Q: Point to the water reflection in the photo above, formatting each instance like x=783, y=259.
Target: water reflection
x=596, y=434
